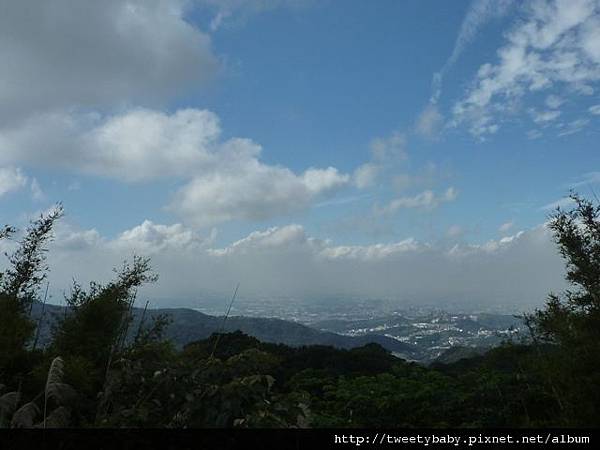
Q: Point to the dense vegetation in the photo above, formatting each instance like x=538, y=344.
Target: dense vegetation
x=92, y=375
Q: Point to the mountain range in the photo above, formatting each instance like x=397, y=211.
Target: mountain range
x=188, y=325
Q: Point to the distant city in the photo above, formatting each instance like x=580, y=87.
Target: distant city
x=430, y=330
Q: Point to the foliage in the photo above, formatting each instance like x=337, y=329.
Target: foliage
x=571, y=321
x=18, y=289
x=97, y=325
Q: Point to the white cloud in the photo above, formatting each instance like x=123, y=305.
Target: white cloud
x=336, y=201
x=541, y=117
x=386, y=153
x=562, y=203
x=11, y=179
x=137, y=145
x=149, y=238
x=227, y=180
x=572, y=127
x=391, y=148
x=74, y=186
x=370, y=253
x=71, y=75
x=254, y=192
x=554, y=47
x=455, y=231
x=505, y=227
x=586, y=179
x=534, y=134
x=65, y=54
x=36, y=190
x=272, y=239
x=366, y=175
x=424, y=200
x=426, y=177
x=429, y=122
x=594, y=110
x=479, y=13
x=554, y=101
x=286, y=261
x=225, y=10
x=318, y=181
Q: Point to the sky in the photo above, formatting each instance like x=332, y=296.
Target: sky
x=407, y=150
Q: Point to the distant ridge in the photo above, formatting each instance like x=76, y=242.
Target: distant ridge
x=455, y=354
x=189, y=325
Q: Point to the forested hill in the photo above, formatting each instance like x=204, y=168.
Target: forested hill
x=188, y=325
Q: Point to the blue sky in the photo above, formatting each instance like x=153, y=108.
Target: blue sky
x=347, y=126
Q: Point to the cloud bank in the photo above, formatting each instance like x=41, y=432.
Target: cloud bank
x=286, y=261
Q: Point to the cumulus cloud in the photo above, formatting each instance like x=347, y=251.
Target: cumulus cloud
x=505, y=227
x=137, y=145
x=73, y=71
x=65, y=54
x=556, y=46
x=253, y=192
x=317, y=181
x=286, y=261
x=226, y=178
x=150, y=238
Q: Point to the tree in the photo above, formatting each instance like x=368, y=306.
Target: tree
x=570, y=322
x=19, y=286
x=93, y=333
